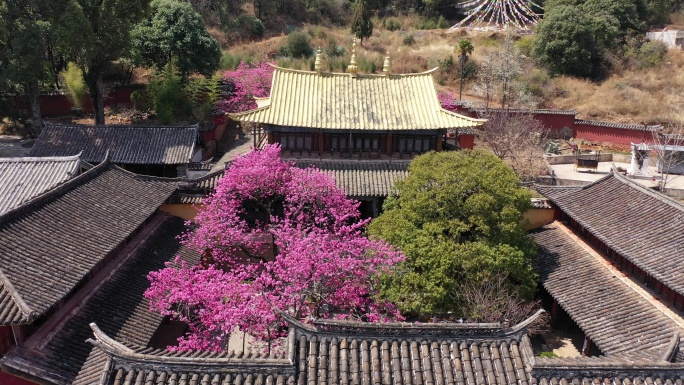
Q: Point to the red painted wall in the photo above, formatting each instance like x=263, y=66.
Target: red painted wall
x=59, y=105
x=466, y=141
x=611, y=134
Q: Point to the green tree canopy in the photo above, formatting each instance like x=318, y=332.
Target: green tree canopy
x=175, y=30
x=104, y=36
x=457, y=218
x=565, y=42
x=361, y=26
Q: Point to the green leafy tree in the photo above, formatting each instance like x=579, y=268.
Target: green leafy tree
x=565, y=42
x=613, y=20
x=457, y=217
x=23, y=40
x=361, y=26
x=104, y=35
x=176, y=31
x=464, y=49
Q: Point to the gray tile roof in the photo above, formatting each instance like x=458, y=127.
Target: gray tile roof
x=343, y=353
x=358, y=178
x=373, y=178
x=25, y=178
x=126, y=144
x=119, y=309
x=619, y=320
x=49, y=245
x=389, y=354
x=643, y=226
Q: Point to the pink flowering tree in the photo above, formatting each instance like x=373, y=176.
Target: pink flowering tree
x=448, y=101
x=251, y=81
x=274, y=238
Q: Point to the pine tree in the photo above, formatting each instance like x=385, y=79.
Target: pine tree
x=361, y=26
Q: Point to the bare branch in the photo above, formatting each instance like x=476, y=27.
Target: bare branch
x=517, y=139
x=493, y=301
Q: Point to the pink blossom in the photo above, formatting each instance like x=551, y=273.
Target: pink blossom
x=448, y=101
x=251, y=81
x=273, y=237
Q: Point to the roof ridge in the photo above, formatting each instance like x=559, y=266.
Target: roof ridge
x=632, y=126
x=143, y=177
x=654, y=194
x=466, y=117
x=29, y=313
x=527, y=110
x=123, y=126
x=359, y=75
x=121, y=352
x=391, y=329
x=31, y=159
x=56, y=192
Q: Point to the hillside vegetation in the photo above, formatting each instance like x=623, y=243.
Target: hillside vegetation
x=629, y=94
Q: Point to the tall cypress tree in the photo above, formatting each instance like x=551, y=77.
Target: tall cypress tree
x=361, y=26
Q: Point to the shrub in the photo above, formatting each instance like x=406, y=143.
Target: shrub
x=525, y=44
x=442, y=23
x=251, y=25
x=366, y=65
x=170, y=100
x=426, y=24
x=547, y=355
x=391, y=24
x=652, y=54
x=231, y=62
x=245, y=26
x=409, y=39
x=469, y=69
x=298, y=44
x=446, y=64
x=74, y=85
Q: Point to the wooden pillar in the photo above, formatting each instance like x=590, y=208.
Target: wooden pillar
x=389, y=144
x=270, y=137
x=321, y=143
x=554, y=310
x=440, y=138
x=586, y=347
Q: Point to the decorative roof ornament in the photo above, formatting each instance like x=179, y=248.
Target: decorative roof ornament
x=387, y=65
x=318, y=64
x=352, y=68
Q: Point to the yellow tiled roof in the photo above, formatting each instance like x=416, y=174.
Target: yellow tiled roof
x=364, y=102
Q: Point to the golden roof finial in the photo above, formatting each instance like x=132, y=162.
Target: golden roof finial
x=352, y=68
x=318, y=63
x=387, y=65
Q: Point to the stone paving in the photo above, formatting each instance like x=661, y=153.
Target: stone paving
x=240, y=147
x=567, y=172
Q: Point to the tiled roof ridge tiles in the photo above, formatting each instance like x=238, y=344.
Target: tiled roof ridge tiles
x=525, y=110
x=118, y=126
x=29, y=314
x=217, y=362
x=358, y=75
x=604, y=367
x=28, y=159
x=143, y=177
x=56, y=192
x=392, y=330
x=627, y=126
